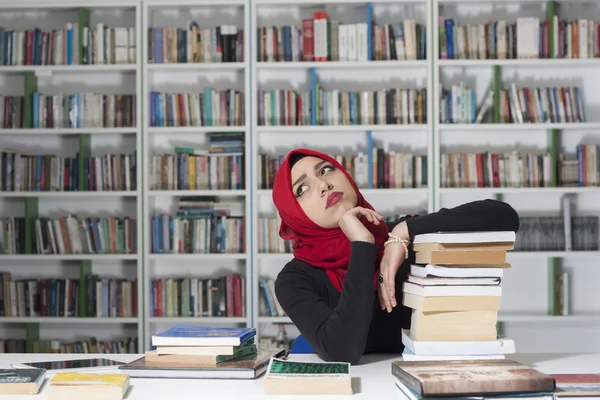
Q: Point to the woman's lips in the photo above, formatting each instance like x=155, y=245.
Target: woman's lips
x=333, y=199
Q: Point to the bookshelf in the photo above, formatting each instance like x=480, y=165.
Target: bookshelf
x=530, y=299
x=56, y=55
x=194, y=73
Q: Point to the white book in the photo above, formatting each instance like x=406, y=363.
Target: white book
x=501, y=345
x=466, y=237
x=408, y=355
x=466, y=281
x=451, y=291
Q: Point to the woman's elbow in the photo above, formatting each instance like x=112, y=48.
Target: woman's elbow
x=509, y=216
x=341, y=355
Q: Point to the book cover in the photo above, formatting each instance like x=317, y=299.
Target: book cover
x=21, y=381
x=465, y=237
x=297, y=377
x=575, y=385
x=87, y=379
x=463, y=378
x=202, y=336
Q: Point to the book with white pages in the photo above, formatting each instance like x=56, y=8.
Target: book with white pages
x=469, y=281
x=449, y=272
x=466, y=237
x=501, y=345
x=408, y=355
x=447, y=291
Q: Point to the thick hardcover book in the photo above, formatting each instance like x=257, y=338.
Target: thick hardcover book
x=202, y=336
x=466, y=378
x=297, y=377
x=21, y=381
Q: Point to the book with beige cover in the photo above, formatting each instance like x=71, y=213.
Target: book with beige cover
x=454, y=291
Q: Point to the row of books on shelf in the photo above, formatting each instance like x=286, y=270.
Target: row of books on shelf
x=210, y=108
x=222, y=296
x=201, y=225
x=68, y=110
x=59, y=346
x=269, y=304
x=70, y=235
x=321, y=39
x=528, y=37
x=104, y=297
x=516, y=169
x=100, y=45
x=217, y=44
x=557, y=233
x=20, y=171
x=284, y=107
x=458, y=105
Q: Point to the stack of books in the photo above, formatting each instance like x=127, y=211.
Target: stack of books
x=454, y=292
x=198, y=345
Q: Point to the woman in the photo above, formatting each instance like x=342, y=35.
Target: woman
x=344, y=253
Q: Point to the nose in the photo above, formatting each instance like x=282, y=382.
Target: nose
x=325, y=187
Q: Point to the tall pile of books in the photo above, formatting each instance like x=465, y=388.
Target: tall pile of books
x=198, y=345
x=454, y=291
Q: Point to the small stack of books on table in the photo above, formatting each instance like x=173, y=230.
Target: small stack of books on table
x=454, y=291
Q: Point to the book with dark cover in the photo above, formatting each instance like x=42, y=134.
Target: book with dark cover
x=249, y=367
x=21, y=381
x=477, y=377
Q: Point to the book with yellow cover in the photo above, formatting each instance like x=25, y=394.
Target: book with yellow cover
x=77, y=385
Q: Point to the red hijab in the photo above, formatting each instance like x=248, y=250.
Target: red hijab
x=322, y=248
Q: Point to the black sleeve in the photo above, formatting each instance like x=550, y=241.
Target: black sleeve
x=337, y=334
x=481, y=215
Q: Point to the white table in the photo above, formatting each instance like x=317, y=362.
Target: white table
x=374, y=372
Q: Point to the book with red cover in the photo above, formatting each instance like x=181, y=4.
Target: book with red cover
x=572, y=385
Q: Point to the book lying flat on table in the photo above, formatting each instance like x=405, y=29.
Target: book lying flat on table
x=297, y=377
x=21, y=381
x=249, y=367
x=88, y=386
x=202, y=336
x=577, y=385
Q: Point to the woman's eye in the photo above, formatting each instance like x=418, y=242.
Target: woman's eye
x=300, y=190
x=326, y=169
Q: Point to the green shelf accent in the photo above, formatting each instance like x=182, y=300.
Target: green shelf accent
x=30, y=87
x=84, y=151
x=553, y=157
x=32, y=336
x=31, y=214
x=551, y=13
x=553, y=268
x=85, y=270
x=496, y=94
x=83, y=20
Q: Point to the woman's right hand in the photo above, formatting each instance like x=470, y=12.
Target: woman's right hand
x=354, y=229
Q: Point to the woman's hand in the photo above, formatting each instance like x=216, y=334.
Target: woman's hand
x=354, y=229
x=393, y=255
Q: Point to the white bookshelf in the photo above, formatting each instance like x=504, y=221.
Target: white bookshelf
x=193, y=78
x=54, y=79
x=524, y=310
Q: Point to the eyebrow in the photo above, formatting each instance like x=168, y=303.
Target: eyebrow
x=303, y=176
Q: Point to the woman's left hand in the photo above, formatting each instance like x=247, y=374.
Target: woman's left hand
x=393, y=256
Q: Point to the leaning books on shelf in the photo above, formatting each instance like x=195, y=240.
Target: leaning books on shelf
x=91, y=345
x=101, y=45
x=201, y=225
x=78, y=385
x=168, y=45
x=516, y=105
x=20, y=171
x=550, y=233
x=60, y=297
x=270, y=305
x=340, y=108
x=83, y=110
x=295, y=377
x=528, y=37
x=269, y=240
x=70, y=235
x=212, y=107
x=22, y=380
x=197, y=297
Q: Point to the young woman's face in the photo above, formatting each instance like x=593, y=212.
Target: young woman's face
x=322, y=190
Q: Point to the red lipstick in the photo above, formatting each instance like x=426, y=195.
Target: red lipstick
x=333, y=199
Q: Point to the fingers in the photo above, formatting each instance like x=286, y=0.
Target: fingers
x=389, y=285
x=385, y=297
x=371, y=215
x=381, y=301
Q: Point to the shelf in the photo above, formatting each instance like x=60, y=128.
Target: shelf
x=518, y=127
x=274, y=320
x=61, y=195
x=537, y=63
x=345, y=2
x=215, y=192
x=195, y=129
x=68, y=131
x=198, y=320
x=340, y=128
x=70, y=320
x=197, y=256
x=523, y=190
x=341, y=64
x=186, y=67
x=49, y=69
x=67, y=257
x=537, y=318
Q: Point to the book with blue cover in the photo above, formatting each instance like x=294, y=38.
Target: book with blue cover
x=202, y=336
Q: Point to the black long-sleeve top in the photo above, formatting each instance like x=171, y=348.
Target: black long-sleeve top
x=342, y=326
